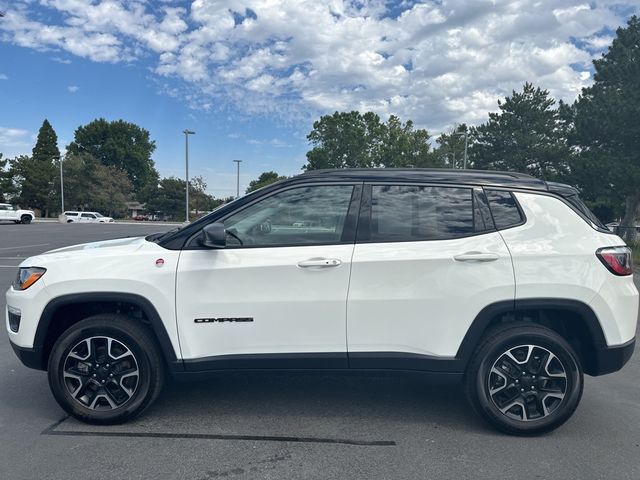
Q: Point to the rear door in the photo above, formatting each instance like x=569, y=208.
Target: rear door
x=427, y=260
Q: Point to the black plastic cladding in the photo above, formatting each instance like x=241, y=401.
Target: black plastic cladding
x=484, y=178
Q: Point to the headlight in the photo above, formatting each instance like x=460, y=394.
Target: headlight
x=27, y=276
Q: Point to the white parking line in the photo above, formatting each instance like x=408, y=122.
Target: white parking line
x=25, y=246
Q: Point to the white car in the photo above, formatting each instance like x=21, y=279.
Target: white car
x=12, y=213
x=498, y=280
x=86, y=217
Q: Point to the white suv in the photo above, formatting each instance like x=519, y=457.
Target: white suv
x=86, y=217
x=499, y=280
x=10, y=213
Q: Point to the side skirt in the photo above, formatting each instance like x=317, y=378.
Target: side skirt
x=433, y=369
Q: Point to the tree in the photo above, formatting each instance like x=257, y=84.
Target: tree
x=402, y=146
x=168, y=199
x=527, y=136
x=450, y=147
x=119, y=144
x=607, y=126
x=90, y=185
x=199, y=199
x=263, y=180
x=35, y=176
x=352, y=140
x=6, y=184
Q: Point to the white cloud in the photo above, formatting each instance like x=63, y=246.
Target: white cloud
x=73, y=88
x=3, y=77
x=15, y=141
x=434, y=62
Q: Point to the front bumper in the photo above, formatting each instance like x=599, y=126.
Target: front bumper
x=612, y=359
x=30, y=357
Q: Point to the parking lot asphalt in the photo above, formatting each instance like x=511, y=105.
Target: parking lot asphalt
x=277, y=426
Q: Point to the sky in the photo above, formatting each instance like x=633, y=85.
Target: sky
x=251, y=76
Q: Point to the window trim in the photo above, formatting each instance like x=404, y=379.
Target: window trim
x=348, y=232
x=364, y=225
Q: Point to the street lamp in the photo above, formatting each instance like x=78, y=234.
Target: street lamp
x=60, y=158
x=186, y=162
x=466, y=141
x=238, y=178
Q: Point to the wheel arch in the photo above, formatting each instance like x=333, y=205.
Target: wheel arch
x=574, y=320
x=62, y=312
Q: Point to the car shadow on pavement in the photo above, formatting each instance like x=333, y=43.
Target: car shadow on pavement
x=363, y=408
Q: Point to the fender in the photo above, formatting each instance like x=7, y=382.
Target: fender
x=174, y=364
x=490, y=312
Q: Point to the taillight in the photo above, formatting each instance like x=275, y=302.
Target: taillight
x=616, y=259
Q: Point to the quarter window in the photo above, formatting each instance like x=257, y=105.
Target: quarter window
x=504, y=208
x=411, y=213
x=299, y=216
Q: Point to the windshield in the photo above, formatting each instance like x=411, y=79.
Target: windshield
x=98, y=215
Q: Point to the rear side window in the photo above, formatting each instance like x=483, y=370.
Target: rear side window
x=504, y=208
x=402, y=213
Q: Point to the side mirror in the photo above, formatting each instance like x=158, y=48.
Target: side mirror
x=215, y=235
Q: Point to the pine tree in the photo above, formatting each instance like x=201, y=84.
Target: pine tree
x=36, y=175
x=525, y=136
x=607, y=124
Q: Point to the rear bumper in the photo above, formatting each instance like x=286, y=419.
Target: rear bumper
x=30, y=357
x=612, y=359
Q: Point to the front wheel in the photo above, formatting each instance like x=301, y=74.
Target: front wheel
x=524, y=379
x=25, y=219
x=105, y=369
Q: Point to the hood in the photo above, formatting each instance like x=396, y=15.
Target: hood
x=123, y=244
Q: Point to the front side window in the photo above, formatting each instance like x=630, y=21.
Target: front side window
x=402, y=213
x=88, y=215
x=299, y=216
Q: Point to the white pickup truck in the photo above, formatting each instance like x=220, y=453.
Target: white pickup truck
x=12, y=213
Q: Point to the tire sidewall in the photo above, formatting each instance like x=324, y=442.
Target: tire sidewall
x=490, y=354
x=56, y=366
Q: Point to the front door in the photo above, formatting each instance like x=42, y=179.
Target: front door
x=276, y=295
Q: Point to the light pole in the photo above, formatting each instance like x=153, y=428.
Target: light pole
x=186, y=163
x=466, y=142
x=238, y=178
x=60, y=158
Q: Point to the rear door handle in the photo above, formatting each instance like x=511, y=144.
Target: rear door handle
x=319, y=263
x=476, y=257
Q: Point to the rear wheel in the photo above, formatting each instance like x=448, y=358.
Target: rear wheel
x=105, y=369
x=524, y=379
x=25, y=219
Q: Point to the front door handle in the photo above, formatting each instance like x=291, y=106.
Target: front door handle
x=319, y=263
x=476, y=257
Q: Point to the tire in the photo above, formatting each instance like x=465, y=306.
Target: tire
x=69, y=221
x=25, y=219
x=126, y=380
x=534, y=392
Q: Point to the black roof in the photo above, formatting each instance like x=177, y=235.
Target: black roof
x=428, y=175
